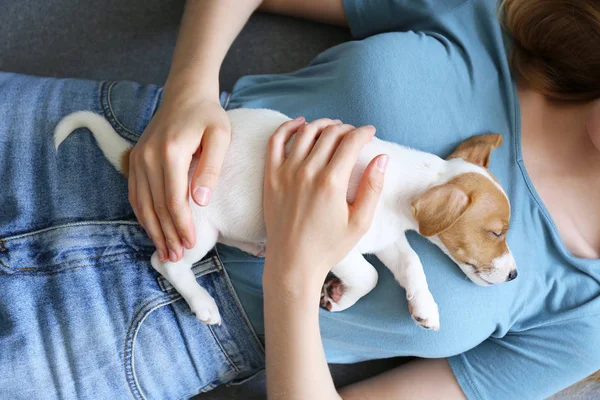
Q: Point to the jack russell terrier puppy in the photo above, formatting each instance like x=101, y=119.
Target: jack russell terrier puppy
x=455, y=203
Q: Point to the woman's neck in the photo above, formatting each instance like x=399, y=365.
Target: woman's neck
x=563, y=162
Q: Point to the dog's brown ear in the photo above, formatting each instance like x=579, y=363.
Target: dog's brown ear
x=477, y=149
x=439, y=208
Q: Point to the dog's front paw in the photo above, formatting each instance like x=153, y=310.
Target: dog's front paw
x=424, y=311
x=332, y=293
x=205, y=309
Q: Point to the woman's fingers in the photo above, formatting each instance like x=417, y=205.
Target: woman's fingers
x=157, y=188
x=277, y=142
x=305, y=139
x=344, y=159
x=176, y=196
x=146, y=214
x=362, y=210
x=327, y=143
x=213, y=147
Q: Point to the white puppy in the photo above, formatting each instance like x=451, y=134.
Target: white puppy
x=455, y=203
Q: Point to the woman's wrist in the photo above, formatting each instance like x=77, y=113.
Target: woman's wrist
x=292, y=277
x=190, y=86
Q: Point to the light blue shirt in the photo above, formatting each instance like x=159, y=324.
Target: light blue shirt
x=430, y=74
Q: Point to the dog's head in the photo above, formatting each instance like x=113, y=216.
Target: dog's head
x=468, y=216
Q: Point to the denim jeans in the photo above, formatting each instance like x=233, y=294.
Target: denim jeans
x=82, y=312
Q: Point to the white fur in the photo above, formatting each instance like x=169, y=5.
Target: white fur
x=111, y=144
x=235, y=214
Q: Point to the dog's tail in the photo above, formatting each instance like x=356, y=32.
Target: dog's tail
x=115, y=148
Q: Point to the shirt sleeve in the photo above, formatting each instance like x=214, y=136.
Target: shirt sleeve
x=533, y=364
x=369, y=17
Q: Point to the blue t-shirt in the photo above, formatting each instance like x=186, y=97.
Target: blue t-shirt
x=430, y=74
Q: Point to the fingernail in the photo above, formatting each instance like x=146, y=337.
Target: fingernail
x=172, y=256
x=161, y=255
x=186, y=244
x=337, y=121
x=202, y=195
x=382, y=163
x=298, y=119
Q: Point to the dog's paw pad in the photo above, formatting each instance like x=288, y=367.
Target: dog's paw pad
x=261, y=251
x=205, y=310
x=425, y=313
x=331, y=293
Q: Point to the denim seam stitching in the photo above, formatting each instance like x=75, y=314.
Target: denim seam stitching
x=71, y=224
x=53, y=266
x=110, y=115
x=206, y=388
x=210, y=328
x=216, y=268
x=237, y=302
x=244, y=380
x=41, y=272
x=166, y=286
x=128, y=351
x=234, y=365
x=112, y=111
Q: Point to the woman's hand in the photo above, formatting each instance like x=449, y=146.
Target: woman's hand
x=186, y=125
x=307, y=216
x=310, y=228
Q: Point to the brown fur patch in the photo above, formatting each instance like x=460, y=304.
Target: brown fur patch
x=439, y=208
x=478, y=236
x=477, y=149
x=125, y=162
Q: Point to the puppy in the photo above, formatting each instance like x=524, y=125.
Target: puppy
x=455, y=203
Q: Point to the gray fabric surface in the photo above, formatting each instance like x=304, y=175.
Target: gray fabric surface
x=134, y=40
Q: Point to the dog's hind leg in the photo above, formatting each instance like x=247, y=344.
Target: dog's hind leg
x=349, y=280
x=181, y=276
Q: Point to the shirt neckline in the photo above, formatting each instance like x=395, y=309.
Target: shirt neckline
x=556, y=238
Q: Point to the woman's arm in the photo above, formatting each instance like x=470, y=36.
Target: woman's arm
x=207, y=31
x=190, y=122
x=296, y=364
x=310, y=228
x=328, y=11
x=420, y=379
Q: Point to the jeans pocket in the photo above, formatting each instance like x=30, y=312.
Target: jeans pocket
x=129, y=106
x=84, y=315
x=169, y=354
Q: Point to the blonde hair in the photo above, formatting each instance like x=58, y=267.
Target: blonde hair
x=556, y=46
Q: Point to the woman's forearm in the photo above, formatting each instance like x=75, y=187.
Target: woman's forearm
x=208, y=28
x=295, y=360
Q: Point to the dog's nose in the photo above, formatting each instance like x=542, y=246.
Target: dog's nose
x=512, y=275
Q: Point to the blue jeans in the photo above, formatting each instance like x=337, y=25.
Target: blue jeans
x=82, y=312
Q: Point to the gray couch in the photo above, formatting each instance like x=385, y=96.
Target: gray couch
x=134, y=40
